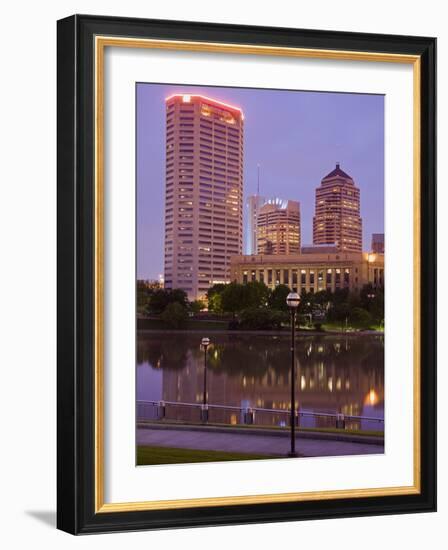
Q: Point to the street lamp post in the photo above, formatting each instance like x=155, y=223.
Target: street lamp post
x=293, y=300
x=370, y=298
x=205, y=342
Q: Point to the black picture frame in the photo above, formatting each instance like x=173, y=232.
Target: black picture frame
x=76, y=272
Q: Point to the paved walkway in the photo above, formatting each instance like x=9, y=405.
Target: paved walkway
x=251, y=443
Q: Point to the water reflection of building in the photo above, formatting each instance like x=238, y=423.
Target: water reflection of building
x=326, y=388
x=330, y=379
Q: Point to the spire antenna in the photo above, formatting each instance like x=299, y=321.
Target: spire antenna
x=258, y=179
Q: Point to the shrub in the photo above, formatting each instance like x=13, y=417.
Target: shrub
x=174, y=315
x=262, y=319
x=360, y=318
x=196, y=306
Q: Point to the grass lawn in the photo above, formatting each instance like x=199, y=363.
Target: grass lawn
x=191, y=324
x=169, y=455
x=351, y=330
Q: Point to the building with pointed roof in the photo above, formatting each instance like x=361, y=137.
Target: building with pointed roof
x=337, y=219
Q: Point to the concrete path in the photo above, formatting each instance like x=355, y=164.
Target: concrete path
x=251, y=443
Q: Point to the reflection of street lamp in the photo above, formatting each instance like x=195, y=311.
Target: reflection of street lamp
x=205, y=342
x=293, y=301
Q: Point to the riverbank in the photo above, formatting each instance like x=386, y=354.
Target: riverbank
x=215, y=325
x=285, y=332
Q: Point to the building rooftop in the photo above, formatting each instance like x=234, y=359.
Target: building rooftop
x=308, y=258
x=319, y=248
x=186, y=98
x=337, y=172
x=279, y=204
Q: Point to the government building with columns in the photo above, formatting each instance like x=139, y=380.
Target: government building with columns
x=312, y=271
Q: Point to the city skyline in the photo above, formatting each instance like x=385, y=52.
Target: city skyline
x=291, y=151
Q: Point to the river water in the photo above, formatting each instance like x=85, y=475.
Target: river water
x=334, y=374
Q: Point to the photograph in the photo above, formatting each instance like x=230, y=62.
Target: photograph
x=259, y=273
x=230, y=347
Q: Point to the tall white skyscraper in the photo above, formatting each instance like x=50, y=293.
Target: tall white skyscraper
x=253, y=205
x=203, y=193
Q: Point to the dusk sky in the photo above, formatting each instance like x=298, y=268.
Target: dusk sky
x=296, y=138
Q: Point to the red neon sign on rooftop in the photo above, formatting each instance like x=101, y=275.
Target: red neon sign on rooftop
x=186, y=98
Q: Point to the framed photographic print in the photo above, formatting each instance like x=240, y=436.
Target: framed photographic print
x=246, y=274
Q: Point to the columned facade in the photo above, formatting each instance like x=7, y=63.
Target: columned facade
x=311, y=272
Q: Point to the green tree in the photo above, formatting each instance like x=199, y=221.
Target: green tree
x=339, y=312
x=340, y=296
x=306, y=302
x=360, y=318
x=234, y=298
x=217, y=288
x=262, y=319
x=196, y=306
x=214, y=297
x=277, y=299
x=256, y=294
x=215, y=303
x=161, y=298
x=372, y=299
x=323, y=299
x=143, y=295
x=376, y=307
x=339, y=308
x=354, y=300
x=175, y=315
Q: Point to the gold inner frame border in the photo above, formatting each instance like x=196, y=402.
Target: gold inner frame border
x=100, y=43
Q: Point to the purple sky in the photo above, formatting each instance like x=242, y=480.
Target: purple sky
x=296, y=137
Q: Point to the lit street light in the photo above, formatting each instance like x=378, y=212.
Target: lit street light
x=370, y=298
x=205, y=342
x=293, y=301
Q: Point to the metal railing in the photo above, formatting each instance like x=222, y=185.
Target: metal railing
x=229, y=414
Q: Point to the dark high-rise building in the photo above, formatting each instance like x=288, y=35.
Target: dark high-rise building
x=378, y=243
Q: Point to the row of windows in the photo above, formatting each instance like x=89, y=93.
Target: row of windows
x=307, y=277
